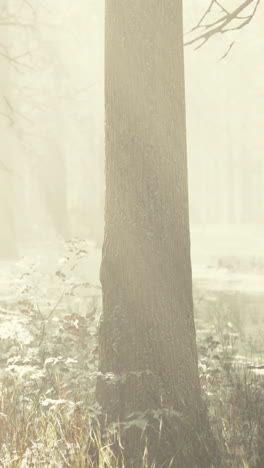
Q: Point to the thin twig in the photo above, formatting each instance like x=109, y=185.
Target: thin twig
x=223, y=24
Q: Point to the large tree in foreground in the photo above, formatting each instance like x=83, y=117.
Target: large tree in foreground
x=148, y=356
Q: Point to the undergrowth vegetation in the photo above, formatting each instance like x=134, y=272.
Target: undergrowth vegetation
x=48, y=370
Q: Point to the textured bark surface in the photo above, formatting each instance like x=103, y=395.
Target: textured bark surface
x=147, y=333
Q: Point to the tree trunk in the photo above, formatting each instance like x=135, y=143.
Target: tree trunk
x=53, y=159
x=8, y=245
x=147, y=334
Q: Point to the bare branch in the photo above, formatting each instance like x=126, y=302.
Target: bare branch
x=228, y=21
x=227, y=52
x=6, y=116
x=15, y=61
x=16, y=24
x=4, y=168
x=16, y=112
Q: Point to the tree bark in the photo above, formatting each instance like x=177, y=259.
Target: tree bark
x=147, y=345
x=8, y=244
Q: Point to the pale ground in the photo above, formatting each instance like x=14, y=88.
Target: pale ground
x=214, y=252
x=242, y=244
x=214, y=249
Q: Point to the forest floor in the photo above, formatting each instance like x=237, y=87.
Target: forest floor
x=49, y=310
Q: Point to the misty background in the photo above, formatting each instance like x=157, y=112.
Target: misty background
x=52, y=158
x=52, y=129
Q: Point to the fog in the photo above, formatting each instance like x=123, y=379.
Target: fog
x=52, y=197
x=52, y=124
x=52, y=118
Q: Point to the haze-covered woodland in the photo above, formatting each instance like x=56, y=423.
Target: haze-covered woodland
x=131, y=234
